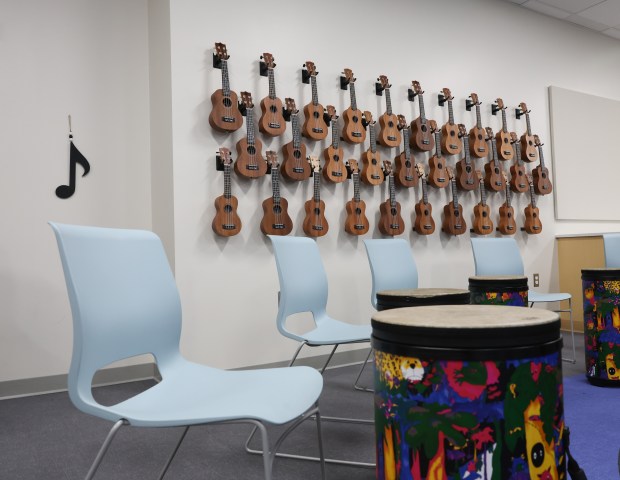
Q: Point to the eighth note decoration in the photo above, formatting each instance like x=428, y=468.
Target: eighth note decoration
x=75, y=157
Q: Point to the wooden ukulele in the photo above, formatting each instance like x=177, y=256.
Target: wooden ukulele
x=225, y=115
x=483, y=225
x=493, y=178
x=450, y=138
x=465, y=176
x=542, y=184
x=421, y=136
x=405, y=169
x=477, y=137
x=354, y=130
x=294, y=166
x=334, y=170
x=271, y=121
x=424, y=223
x=528, y=147
x=532, y=215
x=389, y=135
x=314, y=126
x=315, y=223
x=250, y=162
x=437, y=175
x=453, y=220
x=518, y=180
x=507, y=224
x=226, y=222
x=276, y=220
x=502, y=138
x=390, y=221
x=356, y=222
x=371, y=158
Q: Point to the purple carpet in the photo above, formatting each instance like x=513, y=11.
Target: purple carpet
x=593, y=416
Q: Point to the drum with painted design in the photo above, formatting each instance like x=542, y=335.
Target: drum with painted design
x=508, y=290
x=468, y=391
x=601, y=301
x=417, y=297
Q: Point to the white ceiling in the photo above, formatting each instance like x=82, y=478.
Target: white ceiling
x=599, y=15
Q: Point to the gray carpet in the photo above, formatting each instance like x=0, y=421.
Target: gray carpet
x=45, y=437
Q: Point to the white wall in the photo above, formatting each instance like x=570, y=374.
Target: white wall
x=88, y=59
x=494, y=48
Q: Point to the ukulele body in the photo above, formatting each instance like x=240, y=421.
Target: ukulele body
x=390, y=221
x=226, y=222
x=405, y=172
x=422, y=138
x=353, y=130
x=356, y=222
x=314, y=126
x=438, y=174
x=451, y=144
x=529, y=153
x=334, y=169
x=271, y=121
x=477, y=142
x=507, y=224
x=294, y=165
x=315, y=223
x=371, y=173
x=225, y=115
x=276, y=220
x=532, y=224
x=542, y=184
x=424, y=223
x=453, y=220
x=250, y=162
x=518, y=179
x=493, y=179
x=483, y=225
x=504, y=147
x=465, y=176
x=389, y=136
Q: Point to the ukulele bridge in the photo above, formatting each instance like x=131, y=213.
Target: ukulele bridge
x=356, y=134
x=394, y=226
x=409, y=177
x=317, y=130
x=274, y=125
x=453, y=146
x=298, y=170
x=391, y=138
x=317, y=227
x=251, y=167
x=498, y=184
x=374, y=176
x=441, y=180
x=228, y=227
x=506, y=152
x=425, y=142
x=277, y=226
x=532, y=155
x=358, y=227
x=336, y=174
x=510, y=227
x=226, y=119
x=481, y=150
x=485, y=227
x=536, y=228
x=427, y=227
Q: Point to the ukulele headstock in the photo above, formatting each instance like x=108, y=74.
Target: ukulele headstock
x=537, y=141
x=447, y=94
x=353, y=166
x=505, y=177
x=272, y=159
x=480, y=177
x=225, y=157
x=291, y=108
x=500, y=104
x=462, y=130
x=311, y=68
x=348, y=76
x=315, y=163
x=419, y=168
x=220, y=51
x=417, y=88
x=383, y=80
x=246, y=99
x=523, y=108
x=474, y=99
x=268, y=59
x=402, y=122
x=387, y=167
x=489, y=131
x=450, y=173
x=331, y=112
x=433, y=125
x=368, y=118
x=513, y=137
x=530, y=180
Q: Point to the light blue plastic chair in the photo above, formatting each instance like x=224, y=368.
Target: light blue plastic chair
x=125, y=303
x=501, y=256
x=391, y=265
x=611, y=244
x=303, y=288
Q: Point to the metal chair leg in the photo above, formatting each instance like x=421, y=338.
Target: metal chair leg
x=174, y=452
x=359, y=387
x=572, y=328
x=104, y=448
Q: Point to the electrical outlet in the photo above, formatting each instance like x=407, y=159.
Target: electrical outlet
x=536, y=280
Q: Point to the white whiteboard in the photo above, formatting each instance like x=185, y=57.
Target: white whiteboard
x=585, y=136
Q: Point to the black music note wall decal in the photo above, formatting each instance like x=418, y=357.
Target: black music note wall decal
x=75, y=157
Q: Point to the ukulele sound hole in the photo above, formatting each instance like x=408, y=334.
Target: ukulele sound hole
x=496, y=171
x=484, y=214
x=374, y=161
x=456, y=214
x=391, y=124
x=440, y=166
x=544, y=176
x=297, y=154
x=228, y=209
x=452, y=133
x=393, y=211
x=336, y=158
x=479, y=136
x=408, y=164
x=227, y=102
x=426, y=212
x=505, y=140
x=509, y=215
x=315, y=114
x=317, y=211
x=355, y=119
x=468, y=169
x=273, y=109
x=358, y=211
x=277, y=209
x=424, y=128
x=251, y=150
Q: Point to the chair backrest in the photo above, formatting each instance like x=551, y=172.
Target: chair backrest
x=303, y=282
x=391, y=265
x=497, y=256
x=611, y=244
x=123, y=297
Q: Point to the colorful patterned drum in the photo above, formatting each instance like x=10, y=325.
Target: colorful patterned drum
x=601, y=300
x=508, y=290
x=468, y=391
x=417, y=297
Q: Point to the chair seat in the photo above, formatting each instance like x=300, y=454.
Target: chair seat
x=534, y=296
x=330, y=331
x=198, y=394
